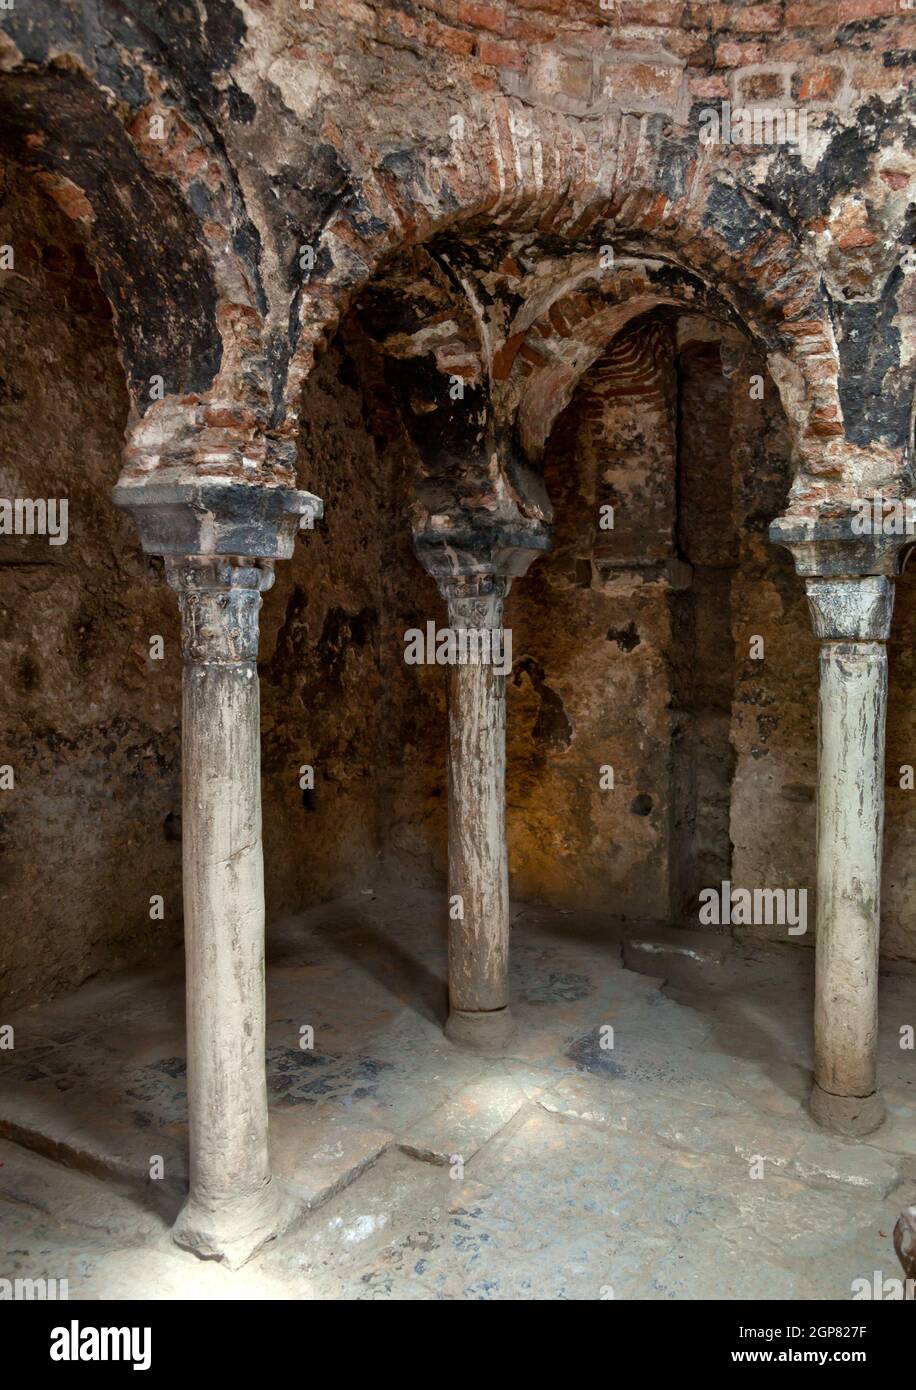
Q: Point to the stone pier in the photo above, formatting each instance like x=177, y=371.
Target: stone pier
x=219, y=540
x=849, y=585
x=475, y=580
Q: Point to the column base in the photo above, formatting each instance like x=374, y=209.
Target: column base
x=480, y=1031
x=855, y=1115
x=233, y=1230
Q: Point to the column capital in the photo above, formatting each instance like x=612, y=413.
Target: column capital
x=853, y=544
x=475, y=600
x=180, y=512
x=851, y=610
x=483, y=553
x=220, y=599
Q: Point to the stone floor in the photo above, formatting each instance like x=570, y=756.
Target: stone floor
x=678, y=1163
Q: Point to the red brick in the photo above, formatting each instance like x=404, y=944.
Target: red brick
x=812, y=16
x=393, y=19
x=792, y=51
x=700, y=56
x=651, y=15
x=503, y=359
x=804, y=328
x=708, y=87
x=871, y=79
x=584, y=306
x=71, y=200
x=452, y=40
x=650, y=80
x=529, y=31
x=227, y=417
x=762, y=86
x=698, y=17
x=737, y=55
x=893, y=179
x=855, y=238
x=500, y=55
x=548, y=6
x=482, y=17
x=756, y=19
x=354, y=10
x=529, y=353
x=868, y=9
x=816, y=84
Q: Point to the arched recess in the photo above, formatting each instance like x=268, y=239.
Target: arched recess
x=167, y=233
x=641, y=733
x=87, y=708
x=558, y=189
x=480, y=374
x=422, y=321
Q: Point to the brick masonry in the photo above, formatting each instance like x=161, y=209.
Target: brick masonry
x=326, y=215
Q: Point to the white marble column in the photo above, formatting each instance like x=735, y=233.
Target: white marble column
x=219, y=538
x=478, y=874
x=233, y=1205
x=851, y=619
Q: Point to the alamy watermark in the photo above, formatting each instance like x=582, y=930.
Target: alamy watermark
x=459, y=646
x=753, y=125
x=885, y=516
x=35, y=516
x=33, y=1290
x=745, y=907
x=883, y=1290
x=78, y=1343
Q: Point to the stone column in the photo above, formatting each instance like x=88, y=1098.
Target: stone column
x=232, y=1201
x=474, y=571
x=851, y=618
x=478, y=869
x=219, y=539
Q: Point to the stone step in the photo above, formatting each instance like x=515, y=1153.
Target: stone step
x=78, y=1136
x=71, y=1197
x=673, y=952
x=793, y=1149
x=317, y=1162
x=461, y=1126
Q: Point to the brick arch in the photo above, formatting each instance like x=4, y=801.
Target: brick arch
x=414, y=308
x=572, y=331
x=186, y=303
x=530, y=172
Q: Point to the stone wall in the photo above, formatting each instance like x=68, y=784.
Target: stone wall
x=620, y=662
x=321, y=682
x=91, y=829
x=89, y=721
x=452, y=168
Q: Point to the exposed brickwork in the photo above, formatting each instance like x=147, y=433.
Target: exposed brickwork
x=535, y=164
x=423, y=192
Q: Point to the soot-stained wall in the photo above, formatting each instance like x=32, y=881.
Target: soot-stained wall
x=321, y=638
x=635, y=649
x=90, y=830
x=631, y=650
x=90, y=718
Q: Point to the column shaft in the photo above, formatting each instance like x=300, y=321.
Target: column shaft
x=231, y=1206
x=478, y=863
x=850, y=819
x=219, y=538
